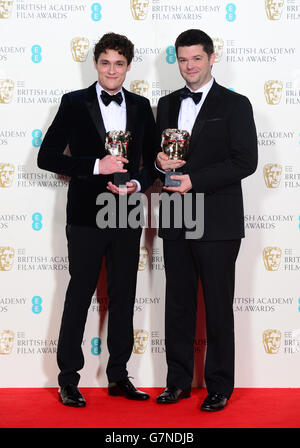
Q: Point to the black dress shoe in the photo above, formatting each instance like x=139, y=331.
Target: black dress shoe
x=125, y=388
x=214, y=402
x=71, y=396
x=173, y=395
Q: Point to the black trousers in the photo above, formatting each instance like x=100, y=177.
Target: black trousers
x=214, y=262
x=86, y=248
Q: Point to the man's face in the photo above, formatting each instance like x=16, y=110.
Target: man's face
x=112, y=68
x=195, y=65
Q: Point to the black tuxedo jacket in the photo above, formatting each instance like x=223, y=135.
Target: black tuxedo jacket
x=223, y=150
x=78, y=124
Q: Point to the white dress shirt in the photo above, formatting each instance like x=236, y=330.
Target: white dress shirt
x=114, y=119
x=189, y=110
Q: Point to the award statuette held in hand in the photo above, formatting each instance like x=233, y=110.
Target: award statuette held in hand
x=116, y=144
x=175, y=143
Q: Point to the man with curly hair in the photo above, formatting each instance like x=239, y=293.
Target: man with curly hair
x=81, y=124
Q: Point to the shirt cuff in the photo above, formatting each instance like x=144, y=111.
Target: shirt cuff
x=138, y=184
x=96, y=167
x=158, y=169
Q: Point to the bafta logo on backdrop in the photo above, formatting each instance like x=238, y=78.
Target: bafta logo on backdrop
x=140, y=87
x=5, y=9
x=272, y=175
x=7, y=171
x=272, y=258
x=272, y=341
x=218, y=47
x=141, y=338
x=6, y=90
x=80, y=48
x=144, y=257
x=274, y=9
x=139, y=9
x=7, y=255
x=273, y=91
x=6, y=341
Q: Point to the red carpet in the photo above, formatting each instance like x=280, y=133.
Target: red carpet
x=247, y=408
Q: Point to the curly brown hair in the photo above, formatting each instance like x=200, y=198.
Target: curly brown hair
x=113, y=41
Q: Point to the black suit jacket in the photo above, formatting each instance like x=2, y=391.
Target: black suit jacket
x=79, y=124
x=223, y=150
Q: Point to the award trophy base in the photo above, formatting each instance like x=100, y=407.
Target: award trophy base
x=172, y=182
x=121, y=179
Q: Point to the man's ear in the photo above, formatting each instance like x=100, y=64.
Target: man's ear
x=212, y=59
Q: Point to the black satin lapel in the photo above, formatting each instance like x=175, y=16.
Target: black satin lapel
x=94, y=111
x=131, y=111
x=174, y=111
x=205, y=112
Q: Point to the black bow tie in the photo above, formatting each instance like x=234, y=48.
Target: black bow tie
x=107, y=98
x=186, y=93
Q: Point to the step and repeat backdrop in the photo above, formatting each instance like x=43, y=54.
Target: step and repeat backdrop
x=46, y=50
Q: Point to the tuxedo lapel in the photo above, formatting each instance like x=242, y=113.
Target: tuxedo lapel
x=174, y=108
x=206, y=111
x=92, y=105
x=131, y=111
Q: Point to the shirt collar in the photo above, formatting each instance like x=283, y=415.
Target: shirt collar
x=99, y=90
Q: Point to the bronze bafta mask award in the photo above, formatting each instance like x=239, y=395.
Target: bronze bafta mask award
x=175, y=143
x=116, y=144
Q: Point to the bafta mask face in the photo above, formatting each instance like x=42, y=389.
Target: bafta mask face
x=80, y=48
x=272, y=258
x=272, y=340
x=6, y=90
x=175, y=143
x=272, y=175
x=5, y=9
x=274, y=9
x=6, y=174
x=139, y=9
x=6, y=258
x=144, y=254
x=116, y=143
x=273, y=91
x=218, y=47
x=6, y=342
x=139, y=87
x=140, y=341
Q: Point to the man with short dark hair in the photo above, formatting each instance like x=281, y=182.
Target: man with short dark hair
x=81, y=123
x=223, y=151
